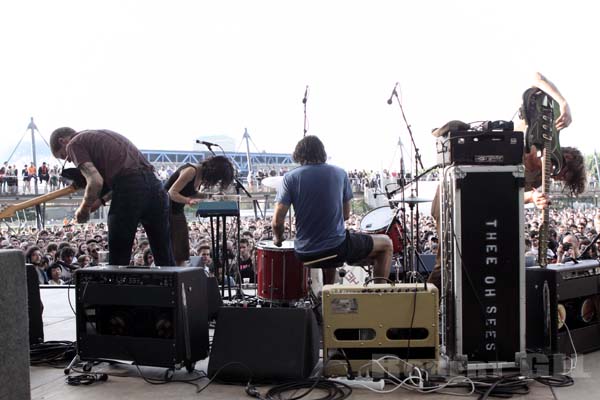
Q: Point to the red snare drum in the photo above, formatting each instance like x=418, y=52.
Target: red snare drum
x=378, y=220
x=281, y=276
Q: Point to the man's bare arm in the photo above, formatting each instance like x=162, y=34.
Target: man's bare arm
x=347, y=210
x=94, y=183
x=278, y=223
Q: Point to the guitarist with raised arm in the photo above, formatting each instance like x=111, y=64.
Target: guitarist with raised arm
x=572, y=170
x=545, y=112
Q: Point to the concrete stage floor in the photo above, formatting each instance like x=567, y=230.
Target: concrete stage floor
x=59, y=324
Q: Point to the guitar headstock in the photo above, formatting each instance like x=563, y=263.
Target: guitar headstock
x=7, y=211
x=540, y=110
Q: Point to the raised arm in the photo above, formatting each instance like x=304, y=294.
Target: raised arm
x=565, y=118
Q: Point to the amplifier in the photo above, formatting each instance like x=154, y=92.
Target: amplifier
x=563, y=296
x=365, y=323
x=483, y=268
x=469, y=147
x=152, y=316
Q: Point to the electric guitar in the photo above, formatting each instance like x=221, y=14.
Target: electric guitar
x=540, y=111
x=72, y=174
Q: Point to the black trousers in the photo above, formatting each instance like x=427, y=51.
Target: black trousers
x=139, y=198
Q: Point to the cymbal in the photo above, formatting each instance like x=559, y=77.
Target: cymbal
x=412, y=200
x=273, y=182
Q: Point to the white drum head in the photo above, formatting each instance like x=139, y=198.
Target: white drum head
x=268, y=245
x=377, y=219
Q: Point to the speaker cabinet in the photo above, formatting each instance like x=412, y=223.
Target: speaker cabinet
x=271, y=344
x=34, y=306
x=14, y=368
x=152, y=316
x=563, y=296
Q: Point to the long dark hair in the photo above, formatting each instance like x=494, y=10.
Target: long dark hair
x=574, y=174
x=216, y=171
x=310, y=150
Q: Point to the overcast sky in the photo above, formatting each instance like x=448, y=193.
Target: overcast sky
x=166, y=72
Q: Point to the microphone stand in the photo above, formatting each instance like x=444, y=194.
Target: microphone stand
x=406, y=261
x=418, y=163
x=304, y=101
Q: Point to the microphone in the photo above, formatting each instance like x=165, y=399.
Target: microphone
x=393, y=93
x=207, y=144
x=305, y=95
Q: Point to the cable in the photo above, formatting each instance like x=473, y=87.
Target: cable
x=333, y=390
x=168, y=378
x=52, y=353
x=573, y=364
x=86, y=379
x=412, y=321
x=152, y=381
x=69, y=286
x=214, y=378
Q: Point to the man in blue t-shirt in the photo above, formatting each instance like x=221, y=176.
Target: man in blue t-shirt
x=321, y=194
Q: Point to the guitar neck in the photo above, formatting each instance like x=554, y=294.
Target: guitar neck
x=543, y=233
x=11, y=210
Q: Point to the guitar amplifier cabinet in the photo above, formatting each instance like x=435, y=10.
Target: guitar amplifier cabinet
x=365, y=323
x=471, y=147
x=483, y=266
x=152, y=316
x=566, y=293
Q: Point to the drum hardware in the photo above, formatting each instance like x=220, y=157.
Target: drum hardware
x=411, y=200
x=411, y=260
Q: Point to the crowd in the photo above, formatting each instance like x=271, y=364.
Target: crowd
x=375, y=179
x=15, y=181
x=570, y=234
x=11, y=178
x=58, y=251
x=21, y=181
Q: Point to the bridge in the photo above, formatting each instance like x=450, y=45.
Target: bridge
x=263, y=160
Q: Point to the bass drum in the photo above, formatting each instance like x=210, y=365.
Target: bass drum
x=378, y=220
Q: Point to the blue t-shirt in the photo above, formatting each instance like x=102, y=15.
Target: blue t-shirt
x=318, y=193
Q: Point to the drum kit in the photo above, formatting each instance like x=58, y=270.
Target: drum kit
x=282, y=278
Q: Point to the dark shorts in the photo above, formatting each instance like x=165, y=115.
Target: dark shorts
x=356, y=247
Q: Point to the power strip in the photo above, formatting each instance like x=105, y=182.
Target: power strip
x=361, y=383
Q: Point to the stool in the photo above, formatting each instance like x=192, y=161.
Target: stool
x=324, y=262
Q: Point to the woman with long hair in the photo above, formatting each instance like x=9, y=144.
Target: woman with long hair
x=184, y=187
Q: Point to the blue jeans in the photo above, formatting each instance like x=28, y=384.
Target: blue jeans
x=139, y=198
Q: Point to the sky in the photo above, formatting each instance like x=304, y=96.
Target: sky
x=164, y=73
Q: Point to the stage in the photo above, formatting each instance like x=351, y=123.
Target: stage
x=59, y=324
